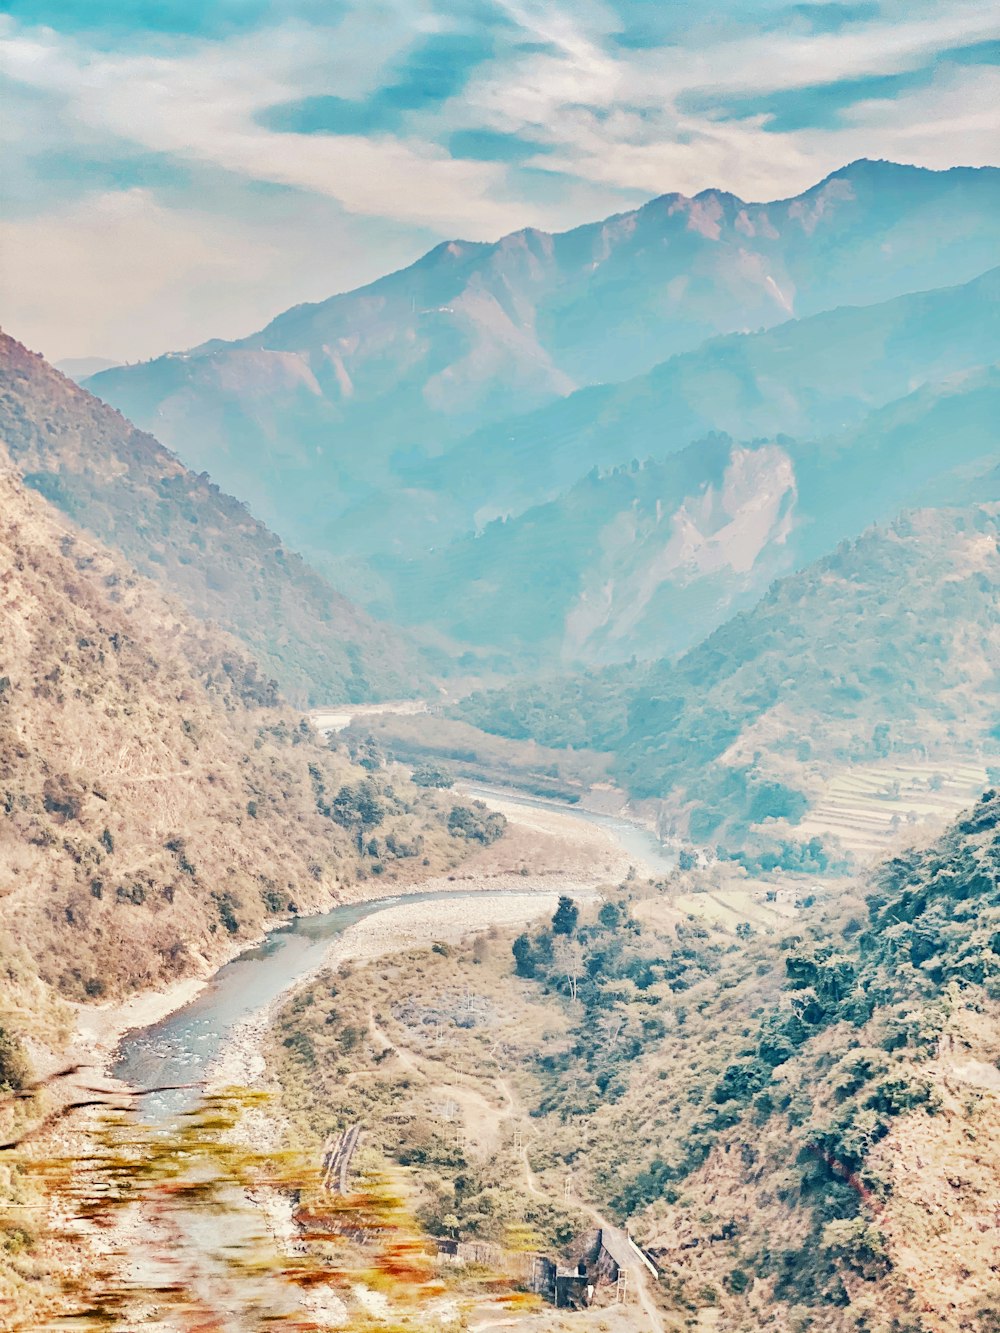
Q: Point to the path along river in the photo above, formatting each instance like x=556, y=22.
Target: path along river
x=182, y=1048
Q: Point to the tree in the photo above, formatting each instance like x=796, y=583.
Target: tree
x=524, y=960
x=610, y=916
x=566, y=916
x=430, y=775
x=358, y=808
x=569, y=960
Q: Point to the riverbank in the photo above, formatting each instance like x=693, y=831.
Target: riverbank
x=544, y=852
x=394, y=929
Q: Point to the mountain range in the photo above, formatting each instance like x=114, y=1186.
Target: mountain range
x=335, y=401
x=884, y=651
x=645, y=558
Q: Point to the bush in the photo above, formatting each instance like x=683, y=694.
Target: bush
x=15, y=1071
x=476, y=823
x=566, y=916
x=428, y=775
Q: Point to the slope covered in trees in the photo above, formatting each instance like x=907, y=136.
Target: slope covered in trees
x=814, y=1139
x=796, y=1119
x=159, y=802
x=808, y=378
x=203, y=545
x=738, y=731
x=648, y=557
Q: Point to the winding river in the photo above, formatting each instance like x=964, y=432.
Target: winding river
x=181, y=1048
x=640, y=844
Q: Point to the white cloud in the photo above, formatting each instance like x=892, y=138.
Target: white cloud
x=618, y=121
x=129, y=273
x=200, y=105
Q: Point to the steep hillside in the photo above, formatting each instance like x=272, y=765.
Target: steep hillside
x=181, y=530
x=888, y=647
x=329, y=400
x=648, y=558
x=159, y=802
x=797, y=1119
x=808, y=379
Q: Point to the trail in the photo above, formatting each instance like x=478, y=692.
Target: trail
x=437, y=1072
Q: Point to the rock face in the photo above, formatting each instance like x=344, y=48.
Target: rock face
x=645, y=559
x=183, y=531
x=305, y=417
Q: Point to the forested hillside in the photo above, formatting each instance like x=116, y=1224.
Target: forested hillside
x=160, y=803
x=182, y=531
x=809, y=378
x=812, y=1141
x=648, y=557
x=739, y=731
x=796, y=1120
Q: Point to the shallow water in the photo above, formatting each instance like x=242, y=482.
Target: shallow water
x=182, y=1047
x=641, y=844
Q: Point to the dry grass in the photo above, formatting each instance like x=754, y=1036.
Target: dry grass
x=159, y=805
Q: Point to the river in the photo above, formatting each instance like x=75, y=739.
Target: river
x=182, y=1048
x=639, y=843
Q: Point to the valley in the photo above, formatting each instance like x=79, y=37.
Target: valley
x=498, y=789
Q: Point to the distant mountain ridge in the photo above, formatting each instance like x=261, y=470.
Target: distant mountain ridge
x=183, y=531
x=647, y=557
x=806, y=378
x=887, y=646
x=335, y=400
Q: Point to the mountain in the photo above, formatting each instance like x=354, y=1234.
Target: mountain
x=806, y=378
x=801, y=1130
x=333, y=400
x=79, y=368
x=648, y=558
x=883, y=652
x=183, y=531
x=160, y=802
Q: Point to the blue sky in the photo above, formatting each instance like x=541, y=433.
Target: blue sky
x=176, y=170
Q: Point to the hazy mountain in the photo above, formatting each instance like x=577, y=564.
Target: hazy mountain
x=181, y=530
x=78, y=368
x=806, y=378
x=886, y=647
x=158, y=799
x=649, y=557
x=330, y=400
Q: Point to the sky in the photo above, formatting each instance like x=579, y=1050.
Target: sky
x=176, y=170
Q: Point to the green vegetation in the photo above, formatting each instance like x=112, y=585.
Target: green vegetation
x=734, y=735
x=771, y=1113
x=476, y=822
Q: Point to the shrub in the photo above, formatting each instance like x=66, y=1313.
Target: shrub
x=15, y=1071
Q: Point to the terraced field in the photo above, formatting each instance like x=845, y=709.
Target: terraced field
x=870, y=809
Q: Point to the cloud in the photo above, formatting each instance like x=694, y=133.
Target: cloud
x=202, y=105
x=687, y=117
x=330, y=141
